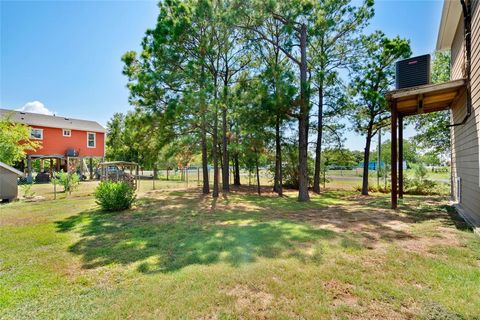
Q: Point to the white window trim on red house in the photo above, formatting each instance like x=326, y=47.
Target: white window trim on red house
x=94, y=140
x=67, y=130
x=35, y=138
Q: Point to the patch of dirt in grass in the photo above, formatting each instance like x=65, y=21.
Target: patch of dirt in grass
x=19, y=220
x=251, y=300
x=424, y=245
x=378, y=310
x=341, y=293
x=372, y=224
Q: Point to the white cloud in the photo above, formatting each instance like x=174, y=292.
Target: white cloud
x=35, y=107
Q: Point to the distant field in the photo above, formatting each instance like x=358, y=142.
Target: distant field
x=336, y=179
x=373, y=174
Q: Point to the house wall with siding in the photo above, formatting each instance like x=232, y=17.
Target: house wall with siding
x=466, y=138
x=54, y=142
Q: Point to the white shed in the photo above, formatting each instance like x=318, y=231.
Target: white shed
x=8, y=182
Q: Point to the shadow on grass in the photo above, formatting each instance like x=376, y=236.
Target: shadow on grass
x=167, y=235
x=182, y=229
x=422, y=208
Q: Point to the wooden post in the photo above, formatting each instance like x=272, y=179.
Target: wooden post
x=81, y=167
x=91, y=168
x=400, y=157
x=379, y=160
x=394, y=154
x=29, y=168
x=198, y=177
x=137, y=186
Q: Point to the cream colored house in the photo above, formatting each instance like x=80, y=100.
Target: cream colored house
x=465, y=113
x=460, y=33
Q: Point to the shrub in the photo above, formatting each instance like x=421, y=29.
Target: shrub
x=290, y=167
x=420, y=172
x=27, y=191
x=69, y=181
x=420, y=185
x=114, y=196
x=374, y=188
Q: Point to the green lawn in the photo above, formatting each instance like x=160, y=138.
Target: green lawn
x=179, y=254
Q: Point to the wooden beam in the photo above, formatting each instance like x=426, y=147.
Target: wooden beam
x=394, y=155
x=425, y=110
x=429, y=88
x=439, y=98
x=400, y=157
x=419, y=104
x=459, y=95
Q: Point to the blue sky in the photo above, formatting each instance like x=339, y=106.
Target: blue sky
x=65, y=55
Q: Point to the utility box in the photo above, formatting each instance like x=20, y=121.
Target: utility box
x=8, y=182
x=413, y=72
x=72, y=152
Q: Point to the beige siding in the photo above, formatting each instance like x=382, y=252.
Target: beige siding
x=465, y=138
x=458, y=68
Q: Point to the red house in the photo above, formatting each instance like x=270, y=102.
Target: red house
x=67, y=141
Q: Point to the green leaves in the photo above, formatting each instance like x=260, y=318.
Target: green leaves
x=15, y=141
x=433, y=131
x=372, y=78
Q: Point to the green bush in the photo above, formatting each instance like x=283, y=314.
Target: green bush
x=290, y=167
x=374, y=188
x=114, y=196
x=69, y=181
x=27, y=191
x=420, y=184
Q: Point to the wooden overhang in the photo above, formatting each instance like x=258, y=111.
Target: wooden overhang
x=412, y=101
x=426, y=98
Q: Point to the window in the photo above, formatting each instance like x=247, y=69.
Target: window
x=36, y=134
x=67, y=132
x=91, y=143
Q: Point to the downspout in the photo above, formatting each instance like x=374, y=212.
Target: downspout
x=467, y=12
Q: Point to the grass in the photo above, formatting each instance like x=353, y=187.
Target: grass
x=179, y=254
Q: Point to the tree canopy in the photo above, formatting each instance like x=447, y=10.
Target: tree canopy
x=14, y=141
x=239, y=82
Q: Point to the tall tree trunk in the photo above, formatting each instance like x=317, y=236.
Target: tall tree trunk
x=303, y=121
x=203, y=111
x=318, y=149
x=220, y=159
x=258, y=175
x=225, y=167
x=277, y=182
x=366, y=159
x=236, y=165
x=206, y=185
x=215, y=155
x=215, y=141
